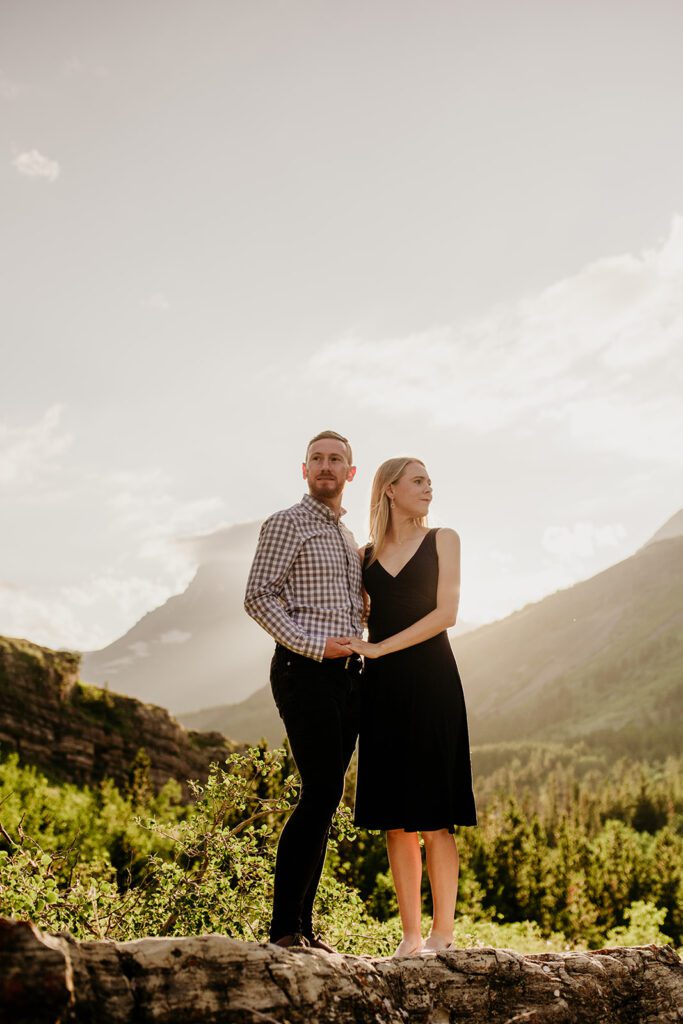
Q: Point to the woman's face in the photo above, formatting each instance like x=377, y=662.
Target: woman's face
x=412, y=493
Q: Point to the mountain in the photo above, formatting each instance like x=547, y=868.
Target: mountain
x=602, y=658
x=252, y=719
x=199, y=647
x=256, y=717
x=82, y=734
x=672, y=528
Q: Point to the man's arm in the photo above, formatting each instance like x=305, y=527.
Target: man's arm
x=277, y=548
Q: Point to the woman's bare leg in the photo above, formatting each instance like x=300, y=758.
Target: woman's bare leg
x=443, y=865
x=405, y=859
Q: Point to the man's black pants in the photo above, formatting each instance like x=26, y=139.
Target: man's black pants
x=318, y=703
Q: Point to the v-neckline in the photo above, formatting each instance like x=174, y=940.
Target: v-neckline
x=405, y=564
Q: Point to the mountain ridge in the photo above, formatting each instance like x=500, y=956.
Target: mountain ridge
x=599, y=657
x=199, y=647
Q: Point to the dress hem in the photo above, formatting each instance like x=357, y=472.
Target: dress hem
x=415, y=828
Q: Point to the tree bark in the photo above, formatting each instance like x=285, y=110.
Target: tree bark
x=211, y=979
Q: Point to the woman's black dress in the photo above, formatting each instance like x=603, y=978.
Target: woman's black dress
x=414, y=768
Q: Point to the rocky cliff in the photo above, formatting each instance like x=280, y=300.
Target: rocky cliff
x=83, y=733
x=211, y=978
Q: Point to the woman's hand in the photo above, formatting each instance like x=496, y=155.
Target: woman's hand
x=366, y=649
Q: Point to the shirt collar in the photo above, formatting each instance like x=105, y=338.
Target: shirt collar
x=319, y=508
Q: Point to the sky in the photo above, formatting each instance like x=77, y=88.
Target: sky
x=450, y=229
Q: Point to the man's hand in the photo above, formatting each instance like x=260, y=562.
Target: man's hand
x=337, y=647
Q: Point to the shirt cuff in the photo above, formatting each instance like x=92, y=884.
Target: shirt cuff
x=314, y=647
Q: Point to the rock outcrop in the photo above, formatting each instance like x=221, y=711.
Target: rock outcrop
x=83, y=733
x=210, y=979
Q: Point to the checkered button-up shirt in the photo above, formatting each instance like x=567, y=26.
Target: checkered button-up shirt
x=305, y=583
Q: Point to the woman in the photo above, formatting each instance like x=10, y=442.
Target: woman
x=414, y=772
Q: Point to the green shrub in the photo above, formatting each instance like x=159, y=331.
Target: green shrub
x=643, y=926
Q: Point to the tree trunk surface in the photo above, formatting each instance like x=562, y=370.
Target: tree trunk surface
x=211, y=979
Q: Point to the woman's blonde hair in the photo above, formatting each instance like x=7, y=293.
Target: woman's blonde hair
x=390, y=472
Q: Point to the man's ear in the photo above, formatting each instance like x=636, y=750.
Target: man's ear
x=303, y=471
x=351, y=473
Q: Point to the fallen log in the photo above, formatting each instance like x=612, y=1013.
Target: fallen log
x=211, y=979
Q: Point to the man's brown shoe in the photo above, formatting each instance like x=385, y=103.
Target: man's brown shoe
x=317, y=943
x=292, y=940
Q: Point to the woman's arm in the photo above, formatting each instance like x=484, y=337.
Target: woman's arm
x=442, y=617
x=364, y=593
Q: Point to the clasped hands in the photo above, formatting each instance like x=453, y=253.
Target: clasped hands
x=344, y=646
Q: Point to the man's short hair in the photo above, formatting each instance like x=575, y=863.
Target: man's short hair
x=334, y=436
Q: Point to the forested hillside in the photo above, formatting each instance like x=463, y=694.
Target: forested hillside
x=604, y=657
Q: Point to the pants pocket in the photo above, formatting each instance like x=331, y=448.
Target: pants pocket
x=285, y=682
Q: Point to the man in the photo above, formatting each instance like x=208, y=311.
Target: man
x=305, y=589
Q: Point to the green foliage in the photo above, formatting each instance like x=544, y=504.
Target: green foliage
x=644, y=922
x=181, y=871
x=565, y=839
x=523, y=936
x=569, y=852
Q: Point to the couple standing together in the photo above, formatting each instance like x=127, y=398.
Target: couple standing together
x=310, y=588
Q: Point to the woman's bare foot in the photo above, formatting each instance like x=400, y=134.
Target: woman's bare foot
x=411, y=945
x=434, y=942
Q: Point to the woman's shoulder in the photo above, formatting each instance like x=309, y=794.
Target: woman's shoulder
x=446, y=538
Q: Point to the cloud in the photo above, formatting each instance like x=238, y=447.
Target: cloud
x=28, y=452
x=231, y=543
x=175, y=636
x=595, y=358
x=143, y=501
x=146, y=563
x=140, y=649
x=134, y=595
x=33, y=164
x=513, y=583
x=45, y=619
x=581, y=540
x=71, y=616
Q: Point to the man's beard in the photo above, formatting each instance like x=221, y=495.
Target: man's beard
x=329, y=489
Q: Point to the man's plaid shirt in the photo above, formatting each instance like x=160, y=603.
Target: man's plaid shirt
x=305, y=583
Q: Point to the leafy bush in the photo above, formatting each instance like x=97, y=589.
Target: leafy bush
x=209, y=870
x=644, y=922
x=562, y=857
